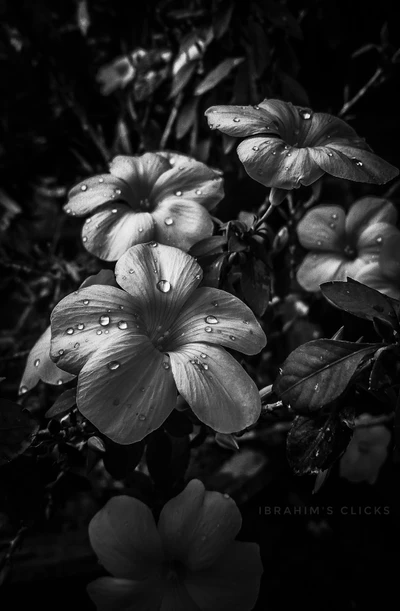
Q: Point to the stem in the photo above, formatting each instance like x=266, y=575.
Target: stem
x=264, y=216
x=14, y=544
x=372, y=81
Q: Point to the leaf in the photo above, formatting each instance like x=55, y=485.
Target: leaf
x=212, y=273
x=362, y=301
x=167, y=458
x=222, y=20
x=314, y=444
x=379, y=377
x=63, y=404
x=182, y=78
x=216, y=75
x=17, y=430
x=255, y=285
x=318, y=372
x=186, y=118
x=208, y=246
x=121, y=460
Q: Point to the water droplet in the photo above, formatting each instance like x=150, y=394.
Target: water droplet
x=59, y=382
x=61, y=352
x=23, y=390
x=104, y=320
x=208, y=330
x=88, y=221
x=99, y=332
x=118, y=191
x=335, y=216
x=379, y=240
x=178, y=193
x=122, y=324
x=215, y=304
x=305, y=114
x=140, y=230
x=357, y=162
x=153, y=244
x=198, y=276
x=163, y=286
x=168, y=221
x=289, y=155
x=84, y=239
x=70, y=331
x=68, y=211
x=131, y=271
x=205, y=367
x=273, y=152
x=113, y=365
x=114, y=211
x=101, y=179
x=319, y=243
x=86, y=302
x=232, y=337
x=246, y=322
x=166, y=365
x=83, y=187
x=37, y=363
x=142, y=417
x=106, y=332
x=81, y=326
x=256, y=107
x=199, y=192
x=211, y=320
x=330, y=154
x=77, y=345
x=142, y=389
x=332, y=225
x=226, y=495
x=203, y=356
x=256, y=148
x=236, y=120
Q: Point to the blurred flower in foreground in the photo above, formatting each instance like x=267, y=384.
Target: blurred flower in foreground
x=288, y=146
x=39, y=365
x=154, y=196
x=134, y=348
x=189, y=561
x=366, y=452
x=347, y=245
x=384, y=275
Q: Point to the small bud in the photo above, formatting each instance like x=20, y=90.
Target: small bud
x=96, y=444
x=281, y=239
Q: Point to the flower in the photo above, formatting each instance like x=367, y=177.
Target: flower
x=366, y=452
x=288, y=146
x=345, y=245
x=134, y=348
x=39, y=365
x=189, y=561
x=384, y=274
x=154, y=196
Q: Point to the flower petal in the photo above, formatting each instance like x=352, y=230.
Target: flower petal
x=367, y=211
x=160, y=278
x=318, y=268
x=95, y=191
x=216, y=387
x=197, y=525
x=372, y=275
x=181, y=223
x=323, y=128
x=344, y=161
x=370, y=241
x=125, y=538
x=217, y=317
x=115, y=228
x=39, y=366
x=240, y=121
x=88, y=319
x=176, y=597
x=111, y=594
x=323, y=229
x=272, y=163
x=389, y=258
x=140, y=172
x=126, y=389
x=232, y=583
x=192, y=181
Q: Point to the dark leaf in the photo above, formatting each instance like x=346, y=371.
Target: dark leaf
x=177, y=424
x=65, y=402
x=17, y=430
x=222, y=20
x=186, y=118
x=379, y=376
x=212, y=273
x=318, y=372
x=255, y=285
x=260, y=47
x=120, y=461
x=182, y=78
x=314, y=444
x=362, y=301
x=167, y=459
x=208, y=246
x=216, y=75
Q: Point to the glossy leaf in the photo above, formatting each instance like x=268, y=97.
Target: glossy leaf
x=255, y=284
x=63, y=403
x=318, y=372
x=218, y=74
x=17, y=430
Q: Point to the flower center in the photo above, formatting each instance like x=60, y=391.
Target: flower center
x=350, y=252
x=145, y=204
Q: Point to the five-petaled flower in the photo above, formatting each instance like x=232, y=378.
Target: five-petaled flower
x=134, y=348
x=189, y=561
x=288, y=146
x=366, y=452
x=347, y=245
x=155, y=196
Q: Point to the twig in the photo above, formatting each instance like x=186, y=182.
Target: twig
x=372, y=81
x=5, y=562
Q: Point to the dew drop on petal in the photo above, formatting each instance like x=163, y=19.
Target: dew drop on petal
x=104, y=320
x=199, y=192
x=178, y=193
x=305, y=114
x=288, y=154
x=88, y=221
x=86, y=302
x=83, y=187
x=106, y=332
x=226, y=495
x=59, y=382
x=61, y=352
x=203, y=356
x=319, y=243
x=70, y=331
x=118, y=191
x=246, y=322
x=215, y=304
x=330, y=154
x=334, y=216
x=142, y=389
x=142, y=417
x=256, y=107
x=208, y=330
x=140, y=229
x=37, y=363
x=256, y=148
x=68, y=211
x=198, y=276
x=131, y=271
x=114, y=210
x=81, y=326
x=205, y=367
x=236, y=120
x=166, y=365
x=379, y=240
x=99, y=332
x=153, y=244
x=211, y=320
x=332, y=225
x=84, y=239
x=77, y=345
x=232, y=337
x=122, y=324
x=101, y=179
x=113, y=365
x=23, y=390
x=273, y=152
x=163, y=286
x=168, y=221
